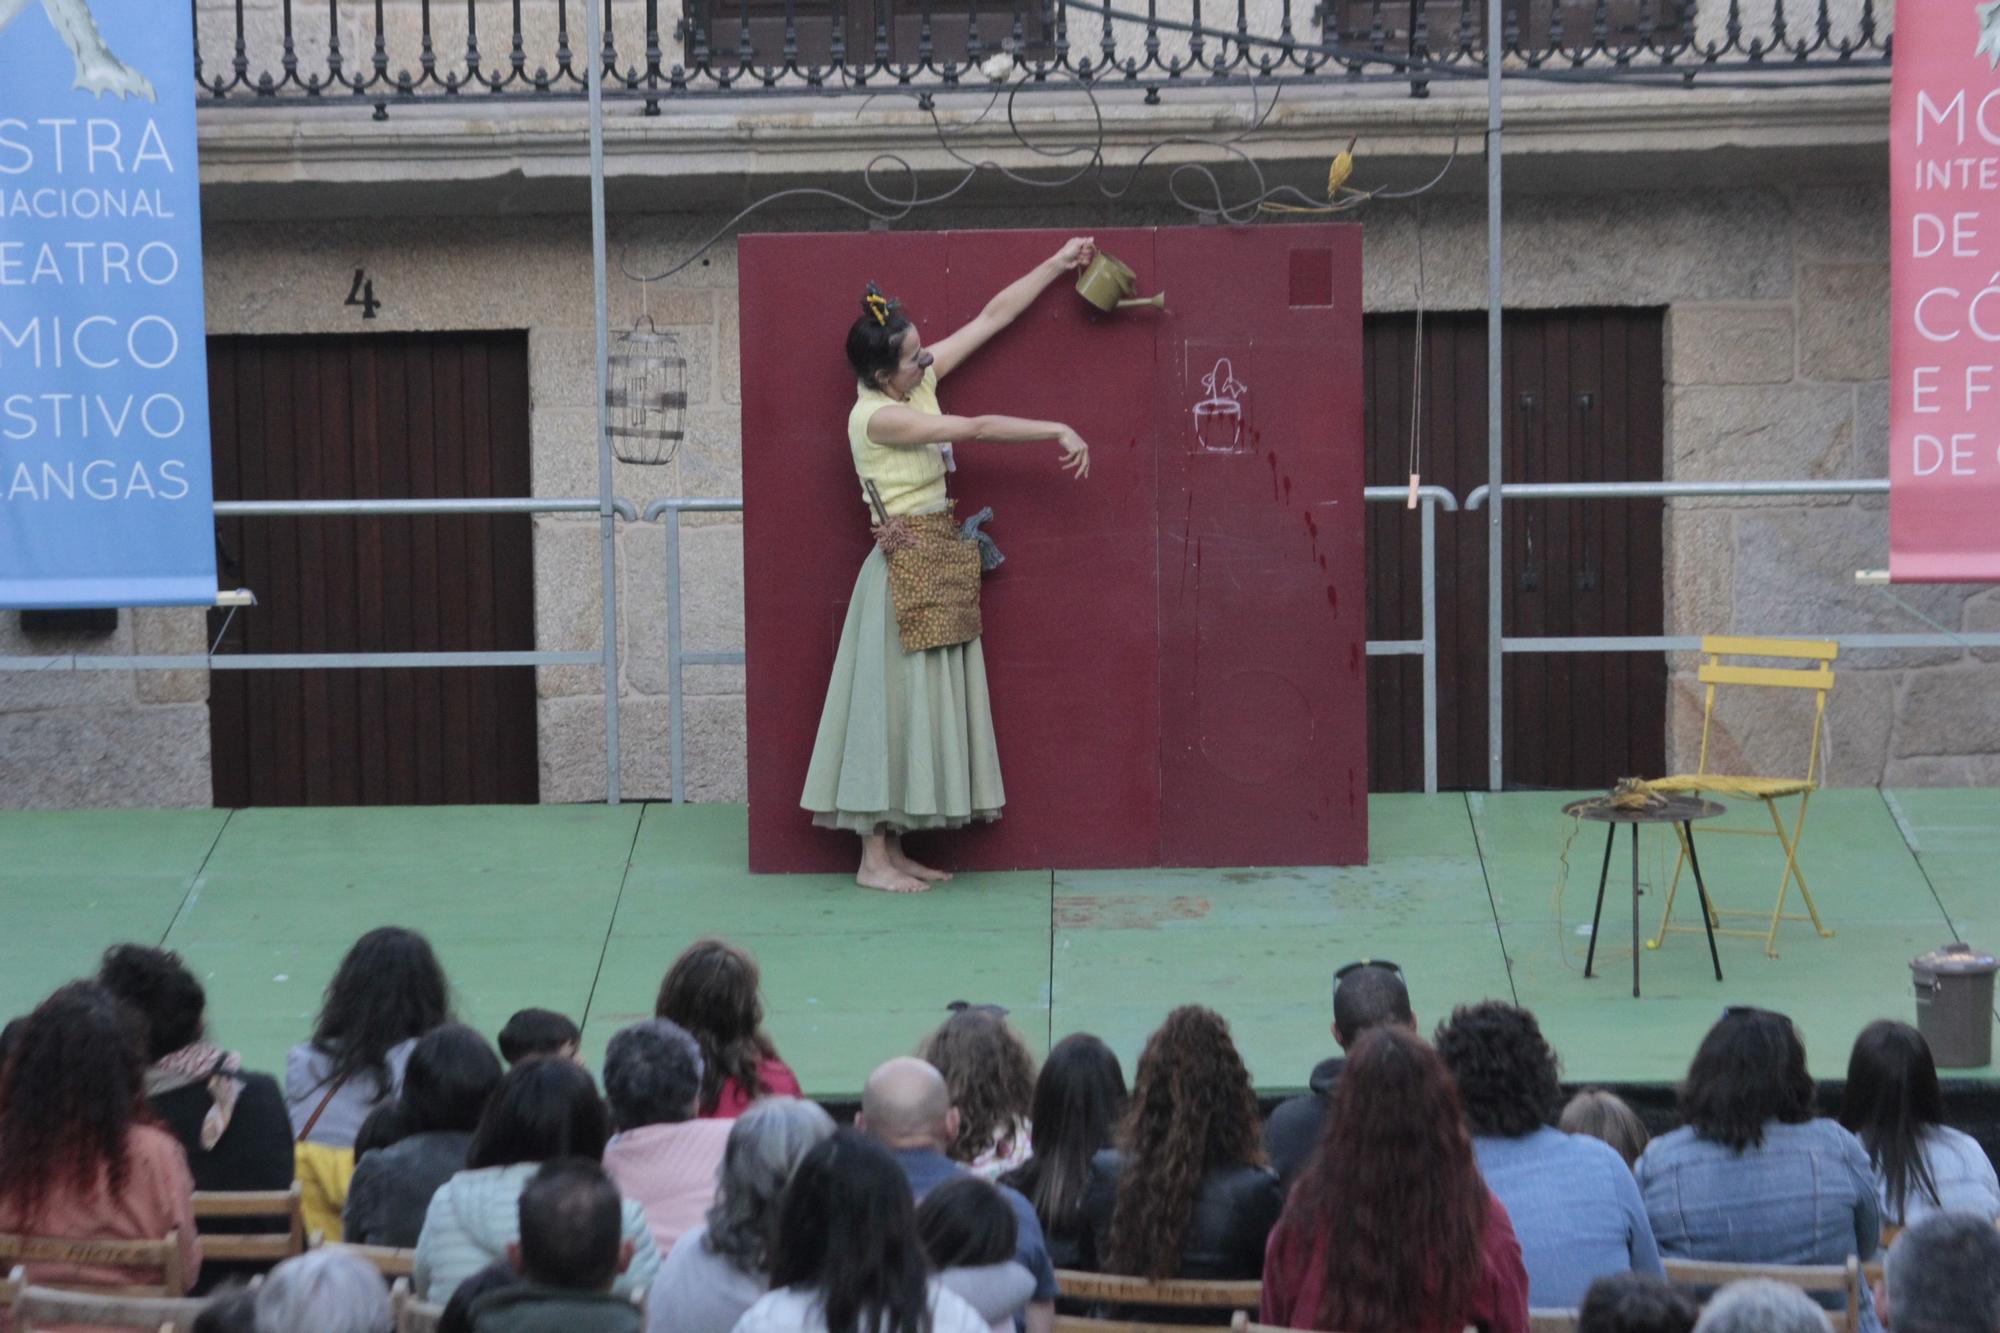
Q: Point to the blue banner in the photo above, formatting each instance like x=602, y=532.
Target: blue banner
x=105, y=495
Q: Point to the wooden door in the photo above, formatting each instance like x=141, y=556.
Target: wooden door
x=374, y=417
x=1584, y=393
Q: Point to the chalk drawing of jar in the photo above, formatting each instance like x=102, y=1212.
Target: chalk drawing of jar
x=1218, y=418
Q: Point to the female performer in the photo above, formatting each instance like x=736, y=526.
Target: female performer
x=906, y=738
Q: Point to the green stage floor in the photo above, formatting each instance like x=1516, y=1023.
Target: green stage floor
x=581, y=909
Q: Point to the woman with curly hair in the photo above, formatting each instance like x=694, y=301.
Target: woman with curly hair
x=992, y=1080
x=1390, y=1229
x=1186, y=1193
x=80, y=1156
x=388, y=991
x=231, y=1122
x=1752, y=1176
x=1079, y=1099
x=1571, y=1198
x=711, y=993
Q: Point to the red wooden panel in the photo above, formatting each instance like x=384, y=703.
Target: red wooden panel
x=1263, y=671
x=1111, y=757
x=1070, y=636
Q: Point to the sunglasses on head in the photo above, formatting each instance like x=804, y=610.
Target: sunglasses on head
x=962, y=1006
x=1383, y=963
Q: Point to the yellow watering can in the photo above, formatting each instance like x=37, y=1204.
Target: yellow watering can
x=1109, y=285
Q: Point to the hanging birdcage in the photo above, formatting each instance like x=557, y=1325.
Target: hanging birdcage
x=646, y=395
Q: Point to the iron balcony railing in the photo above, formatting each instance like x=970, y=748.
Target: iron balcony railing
x=387, y=52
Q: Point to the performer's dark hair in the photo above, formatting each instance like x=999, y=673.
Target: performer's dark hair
x=875, y=342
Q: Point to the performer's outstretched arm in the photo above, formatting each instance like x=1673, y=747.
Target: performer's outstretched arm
x=1007, y=306
x=905, y=428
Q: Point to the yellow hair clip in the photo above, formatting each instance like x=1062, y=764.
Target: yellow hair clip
x=878, y=306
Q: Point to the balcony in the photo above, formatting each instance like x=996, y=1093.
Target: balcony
x=386, y=53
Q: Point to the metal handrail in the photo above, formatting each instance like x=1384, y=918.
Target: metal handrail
x=400, y=508
x=668, y=509
x=1667, y=490
x=1670, y=490
x=624, y=508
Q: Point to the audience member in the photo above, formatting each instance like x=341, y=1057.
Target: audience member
x=991, y=1077
x=711, y=992
x=1186, y=1192
x=1893, y=1105
x=1079, y=1100
x=719, y=1270
x=1604, y=1115
x=1752, y=1177
x=1943, y=1276
x=450, y=1075
x=1761, y=1306
x=326, y=1290
x=232, y=1124
x=661, y=1157
x=1636, y=1303
x=906, y=1107
x=79, y=1156
x=571, y=1250
x=846, y=1257
x=968, y=1232
x=388, y=991
x=1366, y=995
x=1391, y=1227
x=1572, y=1200
x=457, y=1315
x=539, y=1032
x=542, y=1110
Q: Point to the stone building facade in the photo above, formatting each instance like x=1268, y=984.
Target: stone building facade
x=1756, y=220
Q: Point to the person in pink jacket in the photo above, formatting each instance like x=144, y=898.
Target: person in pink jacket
x=80, y=1156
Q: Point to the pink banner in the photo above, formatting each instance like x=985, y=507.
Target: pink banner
x=1944, y=204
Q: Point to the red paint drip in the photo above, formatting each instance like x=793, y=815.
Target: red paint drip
x=1272, y=459
x=1354, y=660
x=1333, y=598
x=1322, y=563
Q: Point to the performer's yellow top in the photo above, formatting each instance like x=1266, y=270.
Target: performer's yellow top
x=911, y=479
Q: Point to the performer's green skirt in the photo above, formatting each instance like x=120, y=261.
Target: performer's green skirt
x=906, y=739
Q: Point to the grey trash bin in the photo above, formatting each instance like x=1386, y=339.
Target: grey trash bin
x=1955, y=1004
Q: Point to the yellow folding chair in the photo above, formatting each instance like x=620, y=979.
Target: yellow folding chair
x=1715, y=673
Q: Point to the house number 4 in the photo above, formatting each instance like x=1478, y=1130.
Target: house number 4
x=362, y=293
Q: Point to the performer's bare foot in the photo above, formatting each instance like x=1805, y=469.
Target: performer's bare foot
x=879, y=869
x=914, y=868
x=888, y=879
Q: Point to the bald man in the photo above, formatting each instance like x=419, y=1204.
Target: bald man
x=906, y=1107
